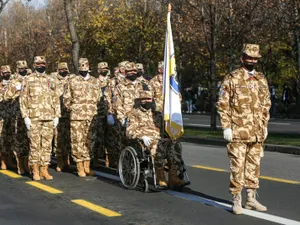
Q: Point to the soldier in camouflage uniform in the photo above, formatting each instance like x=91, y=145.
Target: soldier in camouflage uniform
x=81, y=98
x=62, y=138
x=99, y=147
x=40, y=108
x=167, y=148
x=243, y=106
x=114, y=135
x=6, y=122
x=140, y=73
x=21, y=141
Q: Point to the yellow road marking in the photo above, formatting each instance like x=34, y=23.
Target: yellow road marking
x=96, y=208
x=10, y=174
x=44, y=187
x=261, y=177
x=209, y=168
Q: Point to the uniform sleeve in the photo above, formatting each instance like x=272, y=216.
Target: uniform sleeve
x=67, y=96
x=266, y=104
x=157, y=95
x=223, y=104
x=24, y=99
x=11, y=93
x=57, y=101
x=132, y=131
x=119, y=107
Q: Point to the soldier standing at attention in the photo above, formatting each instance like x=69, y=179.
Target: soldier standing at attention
x=40, y=109
x=81, y=98
x=243, y=106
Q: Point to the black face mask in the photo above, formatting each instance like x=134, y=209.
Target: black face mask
x=104, y=73
x=147, y=105
x=41, y=69
x=249, y=66
x=139, y=73
x=6, y=77
x=83, y=73
x=23, y=73
x=63, y=73
x=131, y=77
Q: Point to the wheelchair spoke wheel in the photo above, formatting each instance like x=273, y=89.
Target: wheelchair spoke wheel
x=129, y=168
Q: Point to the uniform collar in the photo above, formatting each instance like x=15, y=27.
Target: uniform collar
x=249, y=75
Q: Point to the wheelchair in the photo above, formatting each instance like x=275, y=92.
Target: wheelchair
x=136, y=165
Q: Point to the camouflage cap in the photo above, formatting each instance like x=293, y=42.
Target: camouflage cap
x=160, y=65
x=139, y=66
x=251, y=50
x=39, y=59
x=84, y=64
x=103, y=65
x=62, y=65
x=122, y=64
x=130, y=66
x=22, y=64
x=5, y=68
x=146, y=94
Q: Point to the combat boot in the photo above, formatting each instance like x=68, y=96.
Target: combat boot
x=26, y=164
x=3, y=164
x=20, y=166
x=44, y=174
x=237, y=204
x=80, y=169
x=35, y=172
x=87, y=169
x=252, y=203
x=60, y=164
x=160, y=178
x=174, y=181
x=9, y=161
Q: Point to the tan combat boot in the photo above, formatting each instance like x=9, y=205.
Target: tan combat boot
x=35, y=172
x=3, y=164
x=80, y=169
x=252, y=203
x=237, y=204
x=87, y=169
x=160, y=178
x=44, y=174
x=174, y=181
x=9, y=161
x=26, y=164
x=60, y=164
x=20, y=164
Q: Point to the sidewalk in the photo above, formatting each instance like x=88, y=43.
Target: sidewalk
x=219, y=142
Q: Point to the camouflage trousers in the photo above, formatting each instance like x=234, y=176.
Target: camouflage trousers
x=62, y=139
x=115, y=143
x=21, y=139
x=40, y=142
x=244, y=165
x=170, y=150
x=99, y=144
x=8, y=136
x=81, y=140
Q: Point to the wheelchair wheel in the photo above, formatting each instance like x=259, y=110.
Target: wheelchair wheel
x=129, y=168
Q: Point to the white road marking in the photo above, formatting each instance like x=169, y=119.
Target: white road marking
x=281, y=124
x=198, y=125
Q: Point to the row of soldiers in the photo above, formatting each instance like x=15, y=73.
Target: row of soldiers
x=82, y=116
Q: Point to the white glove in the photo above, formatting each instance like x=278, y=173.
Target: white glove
x=227, y=133
x=19, y=87
x=266, y=133
x=110, y=120
x=55, y=122
x=27, y=123
x=147, y=141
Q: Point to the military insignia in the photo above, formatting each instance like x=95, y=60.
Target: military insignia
x=222, y=90
x=51, y=85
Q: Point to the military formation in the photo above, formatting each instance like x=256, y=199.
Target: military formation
x=80, y=118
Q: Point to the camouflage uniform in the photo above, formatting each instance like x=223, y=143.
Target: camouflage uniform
x=102, y=109
x=243, y=106
x=21, y=140
x=81, y=99
x=62, y=137
x=7, y=124
x=40, y=103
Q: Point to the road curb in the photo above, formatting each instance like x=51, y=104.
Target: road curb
x=218, y=142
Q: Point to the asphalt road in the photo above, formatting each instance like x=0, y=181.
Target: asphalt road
x=275, y=125
x=98, y=200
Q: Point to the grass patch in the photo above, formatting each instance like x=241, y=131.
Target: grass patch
x=273, y=138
